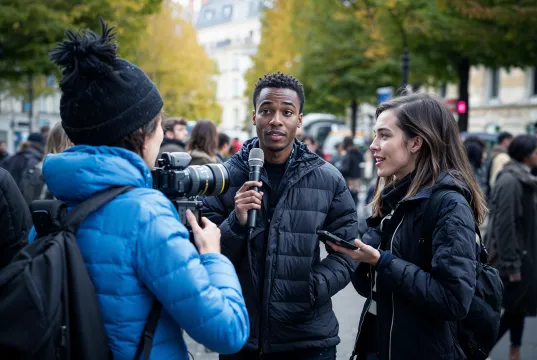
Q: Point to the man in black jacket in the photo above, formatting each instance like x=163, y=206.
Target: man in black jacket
x=26, y=159
x=175, y=135
x=286, y=286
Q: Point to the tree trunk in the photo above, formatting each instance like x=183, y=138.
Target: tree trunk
x=30, y=102
x=463, y=71
x=405, y=65
x=354, y=117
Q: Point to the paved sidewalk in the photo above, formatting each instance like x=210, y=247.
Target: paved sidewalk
x=529, y=343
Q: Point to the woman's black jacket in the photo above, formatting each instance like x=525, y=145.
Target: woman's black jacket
x=416, y=310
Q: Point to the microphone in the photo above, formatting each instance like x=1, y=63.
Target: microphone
x=255, y=162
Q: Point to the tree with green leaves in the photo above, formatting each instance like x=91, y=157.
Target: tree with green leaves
x=341, y=63
x=278, y=50
x=338, y=61
x=30, y=29
x=447, y=37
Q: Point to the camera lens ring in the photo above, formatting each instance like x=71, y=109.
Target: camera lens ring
x=221, y=179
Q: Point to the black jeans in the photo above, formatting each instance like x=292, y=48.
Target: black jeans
x=514, y=323
x=305, y=354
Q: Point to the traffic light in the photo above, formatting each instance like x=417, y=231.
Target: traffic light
x=461, y=107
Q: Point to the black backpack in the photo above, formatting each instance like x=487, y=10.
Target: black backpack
x=478, y=331
x=48, y=305
x=31, y=184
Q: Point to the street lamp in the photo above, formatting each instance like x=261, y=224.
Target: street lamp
x=405, y=66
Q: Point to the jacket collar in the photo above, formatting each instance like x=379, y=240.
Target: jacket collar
x=301, y=158
x=167, y=141
x=445, y=181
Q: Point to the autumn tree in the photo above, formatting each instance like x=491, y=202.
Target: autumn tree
x=170, y=54
x=339, y=63
x=30, y=29
x=279, y=48
x=342, y=64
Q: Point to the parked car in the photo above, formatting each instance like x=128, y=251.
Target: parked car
x=336, y=137
x=320, y=125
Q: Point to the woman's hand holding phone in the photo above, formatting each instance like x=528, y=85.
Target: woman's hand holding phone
x=364, y=253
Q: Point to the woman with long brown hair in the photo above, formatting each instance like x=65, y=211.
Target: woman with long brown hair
x=203, y=143
x=415, y=299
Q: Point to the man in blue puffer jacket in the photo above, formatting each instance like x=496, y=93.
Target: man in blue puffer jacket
x=135, y=247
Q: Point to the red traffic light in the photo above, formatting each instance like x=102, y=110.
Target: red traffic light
x=461, y=107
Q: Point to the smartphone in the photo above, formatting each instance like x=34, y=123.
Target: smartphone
x=328, y=236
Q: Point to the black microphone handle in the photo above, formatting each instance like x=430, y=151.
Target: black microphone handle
x=255, y=175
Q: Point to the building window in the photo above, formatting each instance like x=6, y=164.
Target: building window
x=236, y=115
x=442, y=89
x=494, y=87
x=235, y=90
x=534, y=82
x=208, y=14
x=235, y=63
x=226, y=11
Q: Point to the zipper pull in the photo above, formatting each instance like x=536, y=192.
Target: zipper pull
x=63, y=342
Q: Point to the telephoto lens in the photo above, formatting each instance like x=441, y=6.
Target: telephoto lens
x=207, y=180
x=176, y=179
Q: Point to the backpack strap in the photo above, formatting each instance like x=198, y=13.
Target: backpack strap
x=431, y=211
x=146, y=341
x=75, y=217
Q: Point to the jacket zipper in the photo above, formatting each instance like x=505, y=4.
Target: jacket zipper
x=393, y=300
x=362, y=319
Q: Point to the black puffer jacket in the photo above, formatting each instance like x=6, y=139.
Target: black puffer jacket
x=295, y=311
x=417, y=311
x=15, y=219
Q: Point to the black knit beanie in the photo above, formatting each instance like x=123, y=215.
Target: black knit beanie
x=104, y=98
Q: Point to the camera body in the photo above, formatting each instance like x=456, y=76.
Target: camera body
x=170, y=176
x=182, y=183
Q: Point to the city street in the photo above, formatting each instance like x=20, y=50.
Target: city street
x=348, y=306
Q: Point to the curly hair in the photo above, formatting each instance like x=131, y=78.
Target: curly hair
x=279, y=80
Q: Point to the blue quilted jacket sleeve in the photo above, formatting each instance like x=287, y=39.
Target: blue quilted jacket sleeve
x=201, y=293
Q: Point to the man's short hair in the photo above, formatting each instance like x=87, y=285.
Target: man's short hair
x=279, y=80
x=223, y=139
x=503, y=136
x=170, y=123
x=522, y=146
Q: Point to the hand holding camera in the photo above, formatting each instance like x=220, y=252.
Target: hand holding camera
x=207, y=239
